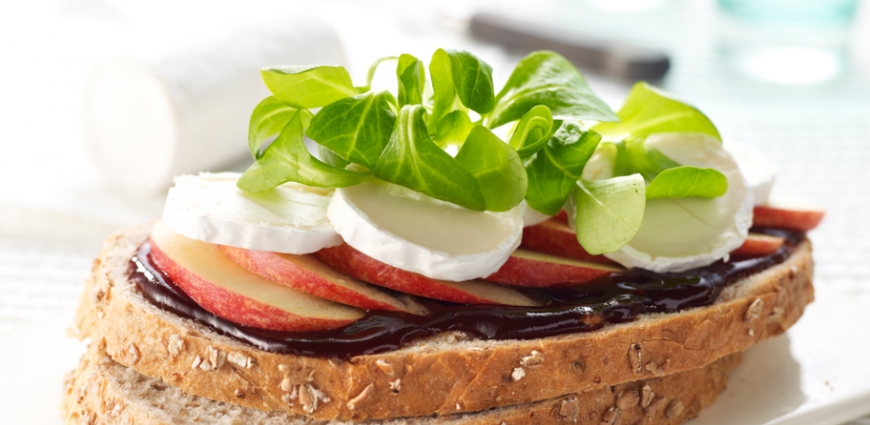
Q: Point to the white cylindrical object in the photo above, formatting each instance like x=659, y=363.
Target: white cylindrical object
x=147, y=120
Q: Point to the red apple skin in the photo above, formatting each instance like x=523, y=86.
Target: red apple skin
x=348, y=260
x=537, y=270
x=308, y=274
x=771, y=216
x=232, y=305
x=562, y=216
x=555, y=237
x=757, y=244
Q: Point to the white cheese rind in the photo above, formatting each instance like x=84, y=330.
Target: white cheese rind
x=759, y=171
x=289, y=219
x=419, y=234
x=532, y=216
x=681, y=234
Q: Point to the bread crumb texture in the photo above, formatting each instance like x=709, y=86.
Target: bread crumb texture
x=102, y=392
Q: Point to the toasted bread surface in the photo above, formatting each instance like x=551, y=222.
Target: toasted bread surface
x=441, y=376
x=103, y=392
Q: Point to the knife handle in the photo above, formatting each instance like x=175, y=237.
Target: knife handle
x=618, y=60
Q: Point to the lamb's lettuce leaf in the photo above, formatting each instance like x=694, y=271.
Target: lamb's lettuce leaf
x=472, y=80
x=453, y=129
x=287, y=159
x=687, y=182
x=608, y=213
x=412, y=80
x=443, y=94
x=330, y=157
x=412, y=159
x=370, y=75
x=546, y=78
x=533, y=131
x=497, y=168
x=648, y=110
x=268, y=119
x=356, y=128
x=636, y=156
x=553, y=170
x=306, y=87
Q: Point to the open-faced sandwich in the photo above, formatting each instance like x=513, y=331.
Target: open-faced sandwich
x=451, y=255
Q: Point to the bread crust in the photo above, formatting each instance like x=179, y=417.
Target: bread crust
x=103, y=392
x=434, y=377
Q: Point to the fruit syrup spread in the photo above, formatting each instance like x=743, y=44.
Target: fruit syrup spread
x=617, y=298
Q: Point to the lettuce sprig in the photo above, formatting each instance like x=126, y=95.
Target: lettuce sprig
x=556, y=124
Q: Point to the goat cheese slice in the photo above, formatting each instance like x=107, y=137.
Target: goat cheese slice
x=681, y=234
x=288, y=219
x=759, y=171
x=532, y=216
x=416, y=233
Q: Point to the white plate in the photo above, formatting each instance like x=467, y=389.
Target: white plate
x=817, y=374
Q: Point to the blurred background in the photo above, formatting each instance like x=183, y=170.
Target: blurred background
x=102, y=101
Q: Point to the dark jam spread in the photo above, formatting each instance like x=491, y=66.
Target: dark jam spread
x=616, y=298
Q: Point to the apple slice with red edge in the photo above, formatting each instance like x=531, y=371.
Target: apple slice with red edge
x=346, y=259
x=787, y=214
x=308, y=274
x=555, y=237
x=758, y=244
x=539, y=270
x=229, y=291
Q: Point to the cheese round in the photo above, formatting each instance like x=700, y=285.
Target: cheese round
x=289, y=219
x=420, y=234
x=681, y=234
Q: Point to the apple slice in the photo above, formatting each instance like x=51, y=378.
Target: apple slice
x=555, y=237
x=308, y=274
x=227, y=290
x=346, y=259
x=758, y=244
x=787, y=215
x=538, y=270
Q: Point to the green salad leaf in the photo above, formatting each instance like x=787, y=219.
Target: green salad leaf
x=533, y=131
x=472, y=80
x=268, y=119
x=412, y=79
x=413, y=160
x=546, y=101
x=686, y=182
x=356, y=128
x=546, y=78
x=287, y=159
x=636, y=156
x=648, y=110
x=453, y=129
x=370, y=76
x=331, y=158
x=608, y=212
x=306, y=87
x=444, y=95
x=554, y=169
x=497, y=168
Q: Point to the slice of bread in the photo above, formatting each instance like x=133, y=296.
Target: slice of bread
x=445, y=375
x=103, y=392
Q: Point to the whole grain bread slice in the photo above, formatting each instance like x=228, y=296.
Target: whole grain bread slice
x=446, y=375
x=103, y=392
